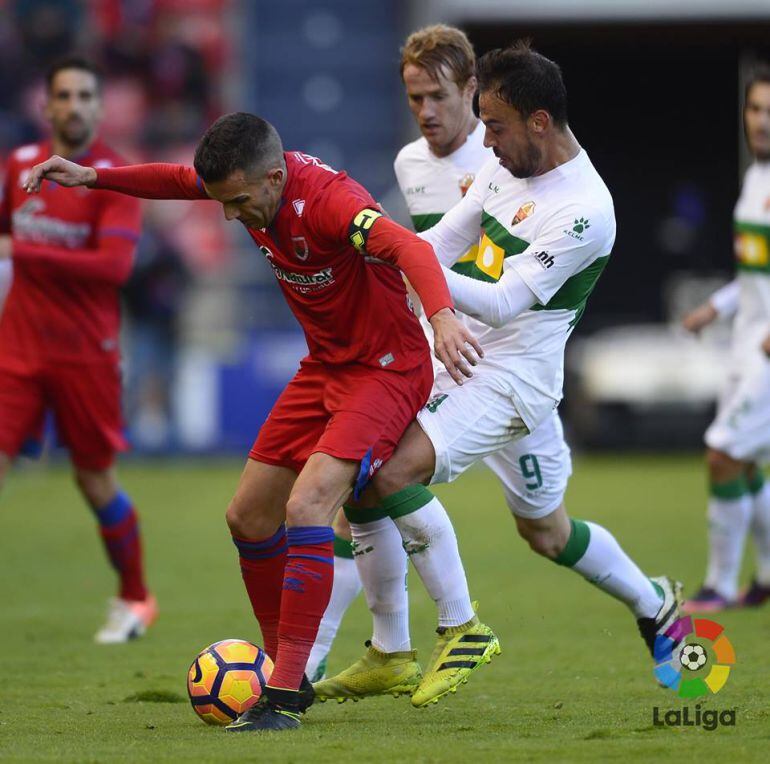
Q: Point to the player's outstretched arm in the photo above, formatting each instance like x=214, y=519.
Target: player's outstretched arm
x=700, y=317
x=61, y=171
x=724, y=302
x=147, y=181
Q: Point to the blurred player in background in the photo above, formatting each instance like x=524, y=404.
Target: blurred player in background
x=547, y=228
x=367, y=374
x=738, y=441
x=59, y=330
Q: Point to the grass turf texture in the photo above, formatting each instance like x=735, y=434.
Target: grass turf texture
x=574, y=682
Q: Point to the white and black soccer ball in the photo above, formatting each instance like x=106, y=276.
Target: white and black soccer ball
x=693, y=657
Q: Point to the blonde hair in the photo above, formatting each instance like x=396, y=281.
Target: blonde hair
x=437, y=47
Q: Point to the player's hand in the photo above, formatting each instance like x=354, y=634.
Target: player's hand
x=62, y=171
x=766, y=346
x=454, y=345
x=699, y=318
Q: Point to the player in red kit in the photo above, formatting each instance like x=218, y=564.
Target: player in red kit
x=337, y=260
x=72, y=249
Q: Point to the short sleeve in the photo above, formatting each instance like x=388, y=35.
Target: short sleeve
x=330, y=213
x=568, y=242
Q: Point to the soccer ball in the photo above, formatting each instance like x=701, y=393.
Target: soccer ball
x=226, y=679
x=693, y=657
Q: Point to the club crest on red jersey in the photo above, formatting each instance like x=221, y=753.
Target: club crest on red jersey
x=300, y=247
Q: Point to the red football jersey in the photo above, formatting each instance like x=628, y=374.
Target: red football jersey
x=72, y=250
x=352, y=307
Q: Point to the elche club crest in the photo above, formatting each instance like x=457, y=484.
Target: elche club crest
x=523, y=212
x=465, y=182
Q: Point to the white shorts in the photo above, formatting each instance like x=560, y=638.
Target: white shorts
x=479, y=421
x=741, y=428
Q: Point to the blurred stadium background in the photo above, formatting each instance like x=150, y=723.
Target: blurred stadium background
x=655, y=91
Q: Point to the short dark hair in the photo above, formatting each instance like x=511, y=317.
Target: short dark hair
x=523, y=78
x=73, y=62
x=760, y=72
x=237, y=141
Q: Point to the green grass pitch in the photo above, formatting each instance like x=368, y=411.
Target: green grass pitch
x=574, y=682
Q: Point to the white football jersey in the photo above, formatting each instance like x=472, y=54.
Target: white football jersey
x=431, y=186
x=752, y=253
x=556, y=231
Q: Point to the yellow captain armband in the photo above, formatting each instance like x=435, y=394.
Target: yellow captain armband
x=359, y=229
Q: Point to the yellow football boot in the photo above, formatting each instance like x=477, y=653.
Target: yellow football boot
x=459, y=651
x=376, y=673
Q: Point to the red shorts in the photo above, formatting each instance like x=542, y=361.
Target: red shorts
x=85, y=401
x=351, y=412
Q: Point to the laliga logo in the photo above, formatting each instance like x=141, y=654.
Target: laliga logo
x=678, y=660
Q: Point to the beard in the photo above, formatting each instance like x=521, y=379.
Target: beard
x=75, y=132
x=527, y=165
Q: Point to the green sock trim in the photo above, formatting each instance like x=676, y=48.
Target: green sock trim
x=757, y=482
x=343, y=548
x=363, y=516
x=577, y=543
x=732, y=489
x=406, y=501
x=659, y=589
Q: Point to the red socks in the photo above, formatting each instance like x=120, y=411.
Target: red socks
x=307, y=586
x=119, y=528
x=289, y=593
x=262, y=565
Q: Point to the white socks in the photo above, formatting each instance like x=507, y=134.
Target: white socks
x=346, y=587
x=382, y=567
x=430, y=542
x=760, y=532
x=728, y=524
x=593, y=552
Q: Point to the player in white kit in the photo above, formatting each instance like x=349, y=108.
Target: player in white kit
x=738, y=441
x=547, y=227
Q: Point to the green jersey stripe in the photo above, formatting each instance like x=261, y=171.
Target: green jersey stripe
x=471, y=270
x=424, y=222
x=756, y=228
x=574, y=292
x=512, y=245
x=752, y=247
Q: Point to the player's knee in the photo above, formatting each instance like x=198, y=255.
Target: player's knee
x=248, y=522
x=397, y=475
x=302, y=510
x=721, y=467
x=97, y=486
